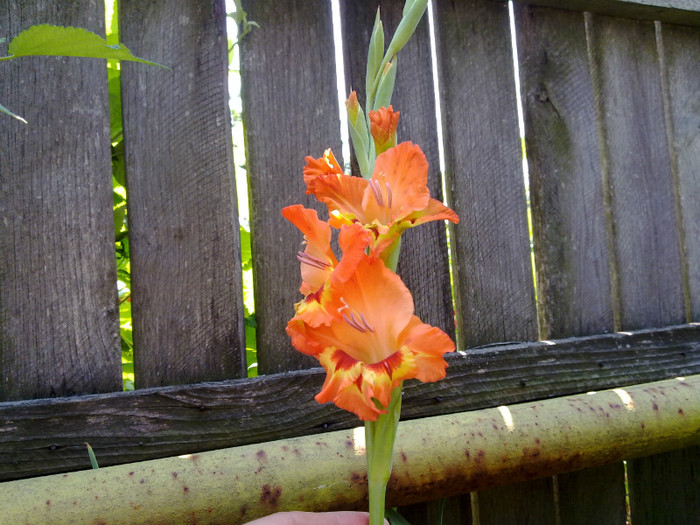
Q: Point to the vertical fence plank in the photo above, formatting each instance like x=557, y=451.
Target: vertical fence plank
x=637, y=165
x=423, y=264
x=185, y=254
x=681, y=48
x=665, y=489
x=59, y=331
x=569, y=218
x=290, y=102
x=493, y=274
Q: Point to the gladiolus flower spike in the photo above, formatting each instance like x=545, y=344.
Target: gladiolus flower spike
x=357, y=316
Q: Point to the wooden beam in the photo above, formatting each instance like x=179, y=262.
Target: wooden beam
x=467, y=451
x=46, y=436
x=685, y=12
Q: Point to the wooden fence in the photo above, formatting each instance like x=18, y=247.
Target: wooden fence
x=612, y=113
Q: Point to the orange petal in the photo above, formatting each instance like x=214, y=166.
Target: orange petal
x=341, y=193
x=428, y=344
x=318, y=259
x=342, y=370
x=434, y=211
x=401, y=178
x=318, y=167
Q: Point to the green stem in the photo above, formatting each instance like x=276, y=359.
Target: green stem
x=379, y=437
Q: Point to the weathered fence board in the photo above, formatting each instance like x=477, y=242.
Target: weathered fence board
x=183, y=225
x=493, y=274
x=289, y=92
x=152, y=423
x=568, y=213
x=423, y=264
x=680, y=48
x=637, y=173
x=569, y=217
x=665, y=488
x=674, y=11
x=58, y=303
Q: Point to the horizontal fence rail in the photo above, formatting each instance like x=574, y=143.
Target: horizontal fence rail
x=150, y=423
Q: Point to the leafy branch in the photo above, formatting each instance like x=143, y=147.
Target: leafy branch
x=50, y=40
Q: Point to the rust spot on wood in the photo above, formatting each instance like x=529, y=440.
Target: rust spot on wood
x=185, y=489
x=680, y=411
x=270, y=495
x=48, y=502
x=131, y=473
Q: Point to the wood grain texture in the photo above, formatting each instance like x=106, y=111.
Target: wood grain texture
x=593, y=495
x=680, y=49
x=527, y=503
x=637, y=169
x=493, y=274
x=48, y=436
x=494, y=288
x=665, y=488
x=290, y=106
x=58, y=300
x=569, y=217
x=570, y=235
x=423, y=264
x=685, y=12
x=185, y=249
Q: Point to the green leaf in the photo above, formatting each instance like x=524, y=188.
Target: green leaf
x=3, y=109
x=93, y=459
x=49, y=40
x=246, y=253
x=395, y=518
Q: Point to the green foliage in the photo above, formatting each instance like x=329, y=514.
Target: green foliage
x=50, y=40
x=93, y=459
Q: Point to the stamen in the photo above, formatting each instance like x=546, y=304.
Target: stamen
x=388, y=194
x=366, y=324
x=377, y=191
x=305, y=258
x=353, y=322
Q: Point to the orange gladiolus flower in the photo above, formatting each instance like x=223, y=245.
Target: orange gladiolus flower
x=395, y=198
x=383, y=124
x=370, y=341
x=319, y=264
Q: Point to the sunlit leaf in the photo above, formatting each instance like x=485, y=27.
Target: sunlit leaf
x=50, y=40
x=91, y=454
x=3, y=109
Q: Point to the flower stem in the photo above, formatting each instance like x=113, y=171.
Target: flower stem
x=379, y=437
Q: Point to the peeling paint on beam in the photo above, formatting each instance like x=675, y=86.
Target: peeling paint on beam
x=434, y=457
